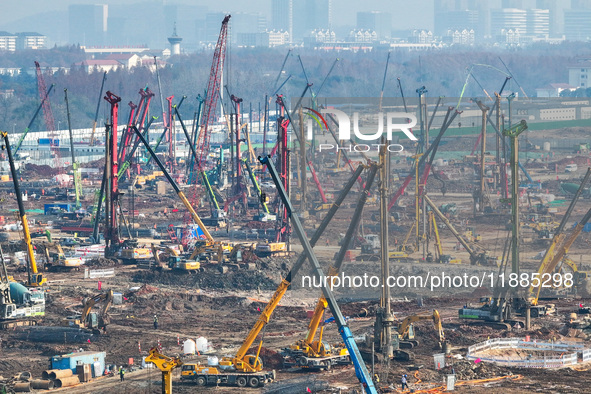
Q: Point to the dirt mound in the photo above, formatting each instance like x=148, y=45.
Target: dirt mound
x=271, y=359
x=101, y=262
x=44, y=170
x=242, y=280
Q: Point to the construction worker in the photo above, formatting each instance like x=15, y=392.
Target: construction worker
x=404, y=382
x=121, y=373
x=155, y=322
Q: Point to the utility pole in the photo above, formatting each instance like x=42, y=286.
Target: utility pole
x=303, y=179
x=498, y=140
x=384, y=318
x=513, y=133
x=484, y=110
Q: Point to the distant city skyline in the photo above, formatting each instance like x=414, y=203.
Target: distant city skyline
x=151, y=22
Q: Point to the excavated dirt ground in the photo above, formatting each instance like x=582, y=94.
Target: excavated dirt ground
x=223, y=308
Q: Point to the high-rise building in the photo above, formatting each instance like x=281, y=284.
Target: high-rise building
x=30, y=40
x=507, y=19
x=577, y=24
x=378, y=21
x=461, y=15
x=457, y=20
x=213, y=25
x=310, y=15
x=7, y=41
x=88, y=24
x=282, y=16
x=580, y=4
x=538, y=22
x=248, y=23
x=531, y=22
x=556, y=9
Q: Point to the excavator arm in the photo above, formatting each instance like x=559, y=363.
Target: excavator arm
x=165, y=364
x=107, y=298
x=404, y=327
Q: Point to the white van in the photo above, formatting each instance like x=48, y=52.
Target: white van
x=571, y=168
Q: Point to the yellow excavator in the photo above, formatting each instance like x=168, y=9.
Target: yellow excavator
x=406, y=329
x=165, y=364
x=92, y=320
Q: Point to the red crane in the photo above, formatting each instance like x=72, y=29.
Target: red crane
x=213, y=91
x=47, y=114
x=112, y=239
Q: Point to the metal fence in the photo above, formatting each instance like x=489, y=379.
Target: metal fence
x=565, y=359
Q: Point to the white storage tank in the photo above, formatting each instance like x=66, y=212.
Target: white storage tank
x=546, y=146
x=212, y=361
x=201, y=344
x=189, y=346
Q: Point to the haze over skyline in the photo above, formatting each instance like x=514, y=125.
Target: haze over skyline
x=51, y=17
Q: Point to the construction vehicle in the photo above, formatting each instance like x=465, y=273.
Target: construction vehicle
x=18, y=305
x=477, y=254
x=247, y=369
x=315, y=353
x=497, y=310
x=360, y=369
x=271, y=249
x=57, y=261
x=406, y=332
x=35, y=279
x=204, y=239
x=439, y=256
x=95, y=321
x=560, y=242
x=165, y=364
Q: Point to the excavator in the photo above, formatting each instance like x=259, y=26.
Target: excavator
x=406, y=330
x=92, y=320
x=165, y=364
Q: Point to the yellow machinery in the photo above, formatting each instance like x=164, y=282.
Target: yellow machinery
x=316, y=353
x=91, y=320
x=555, y=254
x=57, y=261
x=560, y=243
x=165, y=364
x=35, y=279
x=476, y=256
x=271, y=249
x=406, y=331
x=439, y=256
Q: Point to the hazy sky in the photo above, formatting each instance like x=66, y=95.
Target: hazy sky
x=406, y=14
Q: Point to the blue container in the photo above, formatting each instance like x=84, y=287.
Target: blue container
x=69, y=361
x=63, y=207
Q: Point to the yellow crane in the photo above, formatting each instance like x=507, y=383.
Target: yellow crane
x=35, y=279
x=165, y=364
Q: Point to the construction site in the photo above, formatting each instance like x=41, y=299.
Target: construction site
x=298, y=250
